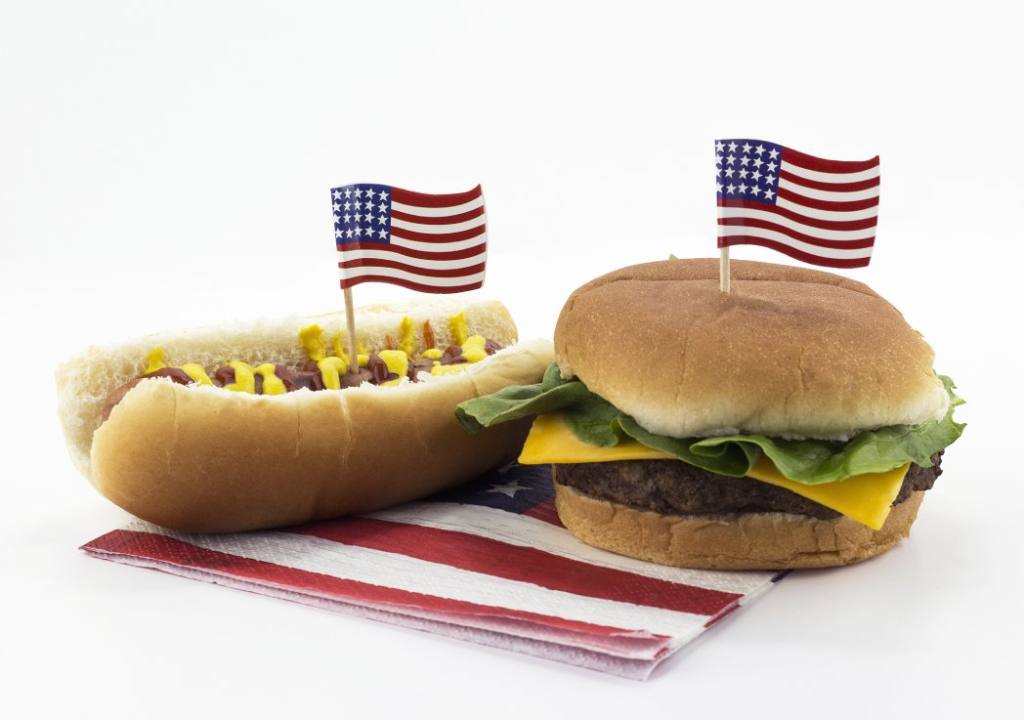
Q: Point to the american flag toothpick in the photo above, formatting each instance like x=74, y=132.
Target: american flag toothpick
x=424, y=242
x=430, y=243
x=822, y=212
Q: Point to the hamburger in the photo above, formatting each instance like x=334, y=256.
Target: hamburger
x=794, y=422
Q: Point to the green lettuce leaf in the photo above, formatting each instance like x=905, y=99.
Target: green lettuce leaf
x=596, y=421
x=591, y=417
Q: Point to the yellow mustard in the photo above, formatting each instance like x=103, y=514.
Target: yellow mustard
x=406, y=342
x=156, y=360
x=397, y=362
x=312, y=339
x=272, y=384
x=331, y=369
x=197, y=373
x=440, y=369
x=473, y=348
x=245, y=379
x=336, y=344
x=362, y=357
x=459, y=328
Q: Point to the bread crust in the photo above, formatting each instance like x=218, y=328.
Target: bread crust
x=85, y=381
x=790, y=352
x=205, y=459
x=744, y=541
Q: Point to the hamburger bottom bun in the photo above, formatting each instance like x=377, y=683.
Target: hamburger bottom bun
x=205, y=459
x=790, y=352
x=742, y=541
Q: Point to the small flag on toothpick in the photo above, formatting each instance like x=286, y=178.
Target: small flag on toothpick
x=822, y=212
x=430, y=243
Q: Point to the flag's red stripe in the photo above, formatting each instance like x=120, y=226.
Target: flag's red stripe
x=432, y=272
x=793, y=252
x=420, y=287
x=421, y=254
x=810, y=239
x=826, y=204
x=804, y=219
x=520, y=563
x=829, y=166
x=182, y=554
x=831, y=187
x=441, y=238
x=546, y=512
x=442, y=220
x=408, y=197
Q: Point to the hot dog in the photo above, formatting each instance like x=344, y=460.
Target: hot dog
x=270, y=379
x=265, y=424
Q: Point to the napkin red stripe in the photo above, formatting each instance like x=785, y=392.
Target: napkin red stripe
x=176, y=552
x=520, y=563
x=488, y=562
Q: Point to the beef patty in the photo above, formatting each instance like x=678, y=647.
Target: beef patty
x=672, y=487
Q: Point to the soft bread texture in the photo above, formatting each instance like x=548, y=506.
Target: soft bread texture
x=790, y=352
x=84, y=381
x=203, y=459
x=744, y=541
x=207, y=460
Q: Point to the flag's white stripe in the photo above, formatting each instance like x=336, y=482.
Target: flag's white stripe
x=439, y=229
x=356, y=272
x=733, y=230
x=830, y=177
x=837, y=215
x=438, y=211
x=742, y=212
x=831, y=196
x=447, y=246
x=528, y=531
x=392, y=570
x=347, y=255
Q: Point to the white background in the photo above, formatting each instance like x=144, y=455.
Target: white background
x=167, y=164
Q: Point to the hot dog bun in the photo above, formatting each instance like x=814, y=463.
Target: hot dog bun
x=204, y=459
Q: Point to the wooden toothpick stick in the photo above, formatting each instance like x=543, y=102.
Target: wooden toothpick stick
x=723, y=269
x=350, y=319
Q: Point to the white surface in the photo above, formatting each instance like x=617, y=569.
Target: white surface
x=167, y=165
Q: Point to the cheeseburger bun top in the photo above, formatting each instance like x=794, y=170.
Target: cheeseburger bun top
x=790, y=352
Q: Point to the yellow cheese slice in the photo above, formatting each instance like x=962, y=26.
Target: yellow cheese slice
x=552, y=441
x=864, y=498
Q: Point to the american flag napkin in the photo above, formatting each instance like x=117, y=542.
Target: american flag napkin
x=488, y=562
